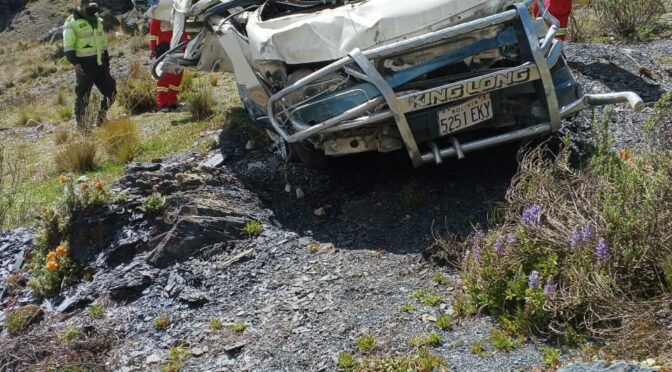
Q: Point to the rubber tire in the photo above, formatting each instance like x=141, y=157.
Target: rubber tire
x=307, y=154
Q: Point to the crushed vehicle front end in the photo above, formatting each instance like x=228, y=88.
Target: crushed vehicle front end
x=439, y=78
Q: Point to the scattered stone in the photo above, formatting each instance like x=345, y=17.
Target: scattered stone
x=214, y=161
x=198, y=351
x=143, y=167
x=299, y=193
x=154, y=358
x=249, y=145
x=288, y=187
x=428, y=318
x=255, y=165
x=82, y=179
x=39, y=128
x=31, y=123
x=320, y=212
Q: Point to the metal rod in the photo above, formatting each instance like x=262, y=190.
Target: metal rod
x=520, y=134
x=590, y=100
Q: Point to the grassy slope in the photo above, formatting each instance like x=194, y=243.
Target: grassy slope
x=43, y=90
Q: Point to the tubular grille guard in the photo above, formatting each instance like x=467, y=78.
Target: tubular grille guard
x=538, y=57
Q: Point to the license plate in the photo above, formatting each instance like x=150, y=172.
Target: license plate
x=472, y=112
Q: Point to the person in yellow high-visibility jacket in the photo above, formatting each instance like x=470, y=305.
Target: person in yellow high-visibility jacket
x=85, y=46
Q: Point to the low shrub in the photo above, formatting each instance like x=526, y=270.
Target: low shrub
x=16, y=321
x=77, y=155
x=200, y=100
x=136, y=93
x=628, y=19
x=578, y=251
x=366, y=343
x=153, y=205
x=421, y=361
x=253, y=228
x=176, y=356
x=120, y=138
x=51, y=270
x=163, y=322
x=238, y=327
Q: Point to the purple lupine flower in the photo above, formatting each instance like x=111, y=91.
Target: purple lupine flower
x=586, y=234
x=500, y=246
x=511, y=239
x=533, y=280
x=575, y=240
x=479, y=236
x=549, y=289
x=532, y=215
x=601, y=250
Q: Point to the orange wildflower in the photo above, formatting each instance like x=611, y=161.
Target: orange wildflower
x=52, y=265
x=99, y=185
x=61, y=250
x=61, y=179
x=625, y=154
x=51, y=256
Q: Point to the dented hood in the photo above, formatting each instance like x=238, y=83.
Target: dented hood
x=330, y=34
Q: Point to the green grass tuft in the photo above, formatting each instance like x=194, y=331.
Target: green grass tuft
x=366, y=343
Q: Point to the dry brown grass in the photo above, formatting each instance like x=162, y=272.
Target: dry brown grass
x=44, y=350
x=79, y=154
x=120, y=138
x=200, y=100
x=136, y=93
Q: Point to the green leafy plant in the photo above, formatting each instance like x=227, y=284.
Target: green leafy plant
x=420, y=361
x=407, y=308
x=153, y=205
x=427, y=298
x=69, y=333
x=551, y=357
x=313, y=248
x=430, y=339
x=502, y=341
x=49, y=270
x=253, y=228
x=478, y=348
x=444, y=321
x=366, y=343
x=96, y=311
x=346, y=361
x=440, y=279
x=175, y=359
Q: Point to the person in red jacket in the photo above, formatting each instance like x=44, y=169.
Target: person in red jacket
x=167, y=88
x=560, y=9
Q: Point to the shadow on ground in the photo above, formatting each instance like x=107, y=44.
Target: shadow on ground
x=619, y=79
x=376, y=201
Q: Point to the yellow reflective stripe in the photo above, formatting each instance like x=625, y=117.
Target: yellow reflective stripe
x=561, y=32
x=85, y=35
x=153, y=38
x=174, y=87
x=162, y=89
x=86, y=53
x=68, y=49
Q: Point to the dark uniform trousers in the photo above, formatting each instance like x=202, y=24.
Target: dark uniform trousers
x=99, y=76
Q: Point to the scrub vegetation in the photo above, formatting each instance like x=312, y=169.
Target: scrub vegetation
x=579, y=253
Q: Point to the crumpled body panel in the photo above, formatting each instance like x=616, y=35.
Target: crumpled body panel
x=332, y=33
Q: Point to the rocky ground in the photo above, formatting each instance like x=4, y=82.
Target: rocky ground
x=341, y=249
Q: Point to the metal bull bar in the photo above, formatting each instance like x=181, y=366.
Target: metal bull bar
x=538, y=57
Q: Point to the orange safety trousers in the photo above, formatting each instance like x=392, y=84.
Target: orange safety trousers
x=168, y=87
x=560, y=9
